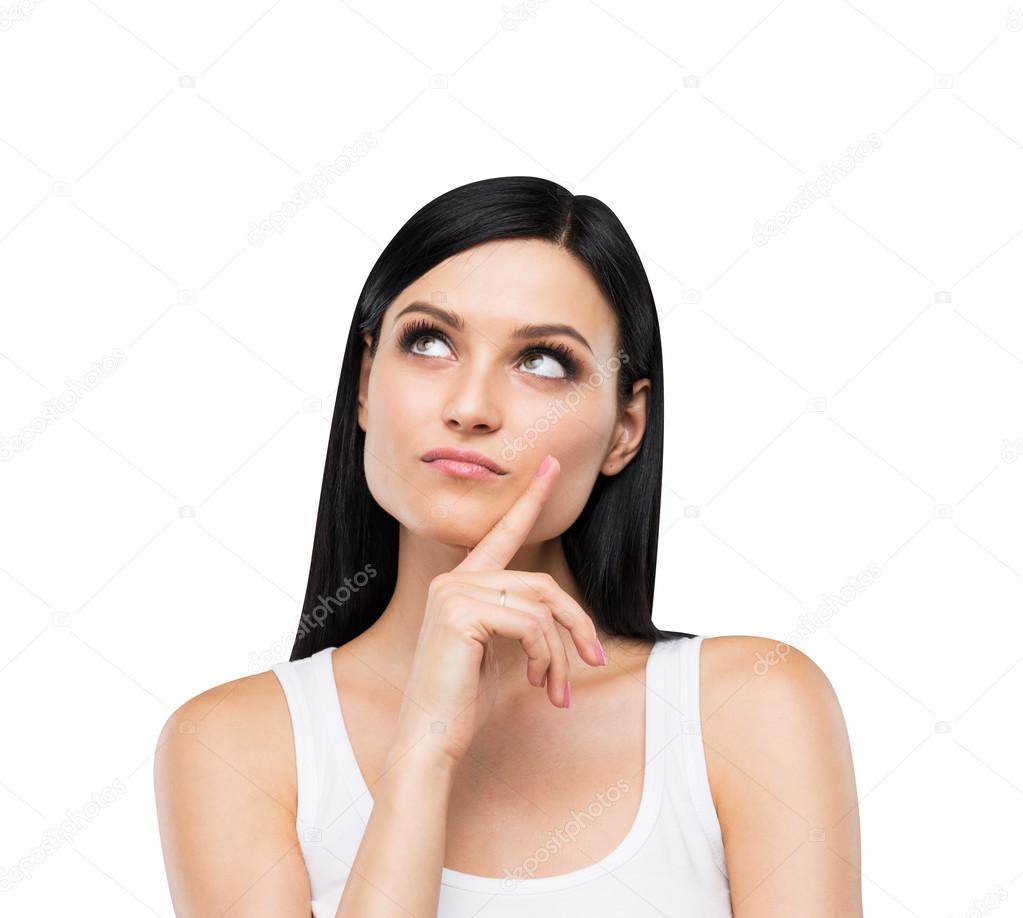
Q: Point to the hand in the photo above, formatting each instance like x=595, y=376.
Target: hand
x=453, y=680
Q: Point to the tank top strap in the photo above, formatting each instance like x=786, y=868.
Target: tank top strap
x=688, y=731
x=320, y=759
x=661, y=697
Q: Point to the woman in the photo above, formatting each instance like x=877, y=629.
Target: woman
x=479, y=716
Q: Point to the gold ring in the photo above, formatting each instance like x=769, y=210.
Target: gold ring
x=501, y=601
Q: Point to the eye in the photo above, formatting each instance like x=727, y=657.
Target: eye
x=558, y=354
x=417, y=332
x=425, y=350
x=555, y=369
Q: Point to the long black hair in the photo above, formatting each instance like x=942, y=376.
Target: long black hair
x=611, y=547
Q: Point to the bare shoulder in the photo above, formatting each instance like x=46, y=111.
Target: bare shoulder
x=224, y=778
x=732, y=663
x=245, y=724
x=764, y=703
x=781, y=773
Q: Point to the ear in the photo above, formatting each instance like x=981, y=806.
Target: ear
x=628, y=432
x=364, y=368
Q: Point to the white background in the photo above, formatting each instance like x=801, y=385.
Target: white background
x=845, y=395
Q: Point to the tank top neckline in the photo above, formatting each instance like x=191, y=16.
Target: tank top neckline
x=651, y=794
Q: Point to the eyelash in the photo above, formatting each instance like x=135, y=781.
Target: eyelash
x=422, y=328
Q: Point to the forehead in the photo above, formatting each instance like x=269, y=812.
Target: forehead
x=508, y=282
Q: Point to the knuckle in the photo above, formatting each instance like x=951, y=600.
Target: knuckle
x=457, y=613
x=448, y=587
x=455, y=605
x=542, y=580
x=540, y=584
x=535, y=613
x=534, y=630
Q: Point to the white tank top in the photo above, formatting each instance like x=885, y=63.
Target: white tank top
x=671, y=862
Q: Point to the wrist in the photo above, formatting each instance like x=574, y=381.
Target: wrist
x=426, y=741
x=416, y=767
x=424, y=747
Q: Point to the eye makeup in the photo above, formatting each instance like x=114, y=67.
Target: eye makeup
x=562, y=353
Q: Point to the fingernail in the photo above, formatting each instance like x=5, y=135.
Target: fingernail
x=600, y=651
x=568, y=696
x=543, y=467
x=542, y=684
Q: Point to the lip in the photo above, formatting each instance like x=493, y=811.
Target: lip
x=463, y=463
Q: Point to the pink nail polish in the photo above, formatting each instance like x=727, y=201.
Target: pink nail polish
x=600, y=651
x=568, y=696
x=543, y=467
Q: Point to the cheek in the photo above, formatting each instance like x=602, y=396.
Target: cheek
x=393, y=416
x=395, y=410
x=566, y=503
x=579, y=439
x=578, y=435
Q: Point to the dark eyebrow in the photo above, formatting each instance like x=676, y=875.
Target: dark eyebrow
x=523, y=331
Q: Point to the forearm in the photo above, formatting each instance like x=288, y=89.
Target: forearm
x=397, y=870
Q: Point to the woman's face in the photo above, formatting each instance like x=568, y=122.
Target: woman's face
x=458, y=367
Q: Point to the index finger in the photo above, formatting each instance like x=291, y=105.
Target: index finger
x=506, y=536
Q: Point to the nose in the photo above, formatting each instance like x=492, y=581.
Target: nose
x=473, y=403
